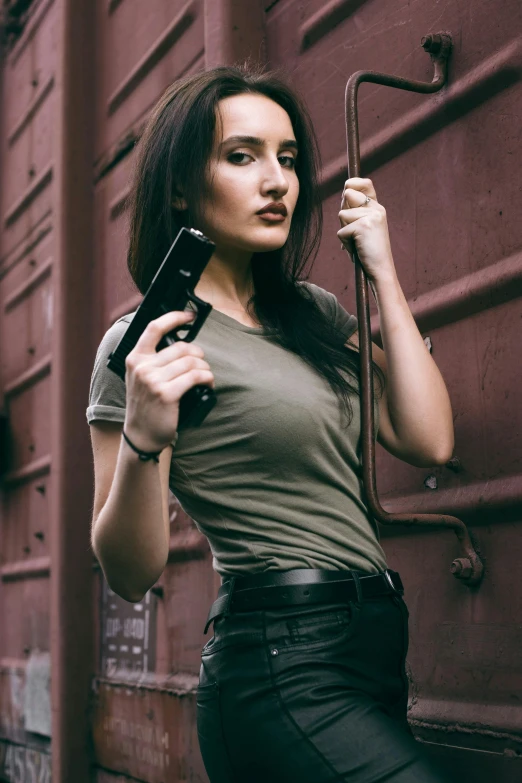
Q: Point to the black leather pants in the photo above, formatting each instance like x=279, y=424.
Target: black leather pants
x=309, y=694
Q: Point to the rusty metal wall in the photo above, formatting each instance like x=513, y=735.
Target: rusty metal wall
x=46, y=568
x=146, y=729
x=448, y=169
x=78, y=81
x=27, y=245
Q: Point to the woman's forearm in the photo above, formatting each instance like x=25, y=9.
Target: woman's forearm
x=418, y=401
x=130, y=534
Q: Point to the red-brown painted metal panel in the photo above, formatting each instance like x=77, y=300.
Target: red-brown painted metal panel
x=45, y=568
x=148, y=731
x=447, y=168
x=144, y=724
x=27, y=168
x=139, y=55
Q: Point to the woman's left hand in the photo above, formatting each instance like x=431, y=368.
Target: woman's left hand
x=364, y=223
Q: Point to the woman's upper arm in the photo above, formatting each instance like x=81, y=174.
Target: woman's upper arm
x=386, y=434
x=106, y=440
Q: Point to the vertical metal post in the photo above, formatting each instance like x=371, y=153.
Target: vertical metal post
x=72, y=624
x=469, y=567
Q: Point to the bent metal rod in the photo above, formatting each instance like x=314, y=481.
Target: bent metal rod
x=468, y=567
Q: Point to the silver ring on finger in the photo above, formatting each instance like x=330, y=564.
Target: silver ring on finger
x=366, y=201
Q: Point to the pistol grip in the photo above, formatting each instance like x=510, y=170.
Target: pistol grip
x=195, y=405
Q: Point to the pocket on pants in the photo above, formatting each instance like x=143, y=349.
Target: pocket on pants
x=319, y=628
x=210, y=734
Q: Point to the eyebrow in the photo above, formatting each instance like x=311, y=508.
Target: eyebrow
x=257, y=142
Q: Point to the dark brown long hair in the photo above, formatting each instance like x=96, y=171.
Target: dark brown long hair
x=173, y=156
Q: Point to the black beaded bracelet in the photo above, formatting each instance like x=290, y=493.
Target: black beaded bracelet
x=143, y=455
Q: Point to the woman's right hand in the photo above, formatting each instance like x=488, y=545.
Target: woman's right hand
x=157, y=380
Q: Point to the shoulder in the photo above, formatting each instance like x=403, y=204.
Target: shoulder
x=325, y=299
x=107, y=390
x=345, y=323
x=113, y=335
x=119, y=327
x=108, y=344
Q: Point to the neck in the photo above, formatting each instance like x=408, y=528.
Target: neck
x=227, y=281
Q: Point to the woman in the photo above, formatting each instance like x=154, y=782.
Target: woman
x=304, y=679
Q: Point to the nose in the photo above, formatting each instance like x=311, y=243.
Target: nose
x=274, y=179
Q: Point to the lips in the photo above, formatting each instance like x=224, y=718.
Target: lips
x=274, y=208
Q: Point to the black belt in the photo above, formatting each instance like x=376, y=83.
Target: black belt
x=298, y=587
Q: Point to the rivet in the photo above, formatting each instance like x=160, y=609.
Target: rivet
x=430, y=482
x=274, y=651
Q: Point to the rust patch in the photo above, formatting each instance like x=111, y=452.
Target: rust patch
x=148, y=731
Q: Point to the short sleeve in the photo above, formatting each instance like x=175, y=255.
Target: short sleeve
x=107, y=396
x=345, y=323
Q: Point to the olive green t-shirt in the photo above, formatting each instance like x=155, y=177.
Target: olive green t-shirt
x=269, y=477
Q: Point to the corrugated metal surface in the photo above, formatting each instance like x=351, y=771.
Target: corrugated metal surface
x=145, y=731
x=26, y=257
x=45, y=242
x=447, y=168
x=148, y=731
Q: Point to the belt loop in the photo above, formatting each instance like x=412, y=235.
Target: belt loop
x=231, y=582
x=358, y=588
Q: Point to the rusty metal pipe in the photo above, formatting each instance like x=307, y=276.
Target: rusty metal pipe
x=74, y=297
x=468, y=567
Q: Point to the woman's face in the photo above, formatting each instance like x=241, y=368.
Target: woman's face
x=249, y=173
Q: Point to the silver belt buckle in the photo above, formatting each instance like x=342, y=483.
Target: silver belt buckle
x=391, y=583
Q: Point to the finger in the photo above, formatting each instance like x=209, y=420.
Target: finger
x=159, y=327
x=347, y=216
x=362, y=185
x=354, y=198
x=346, y=233
x=181, y=385
x=183, y=365
x=176, y=351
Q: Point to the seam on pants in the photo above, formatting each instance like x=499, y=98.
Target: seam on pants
x=214, y=684
x=233, y=773
x=289, y=715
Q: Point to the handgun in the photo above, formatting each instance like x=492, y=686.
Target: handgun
x=172, y=289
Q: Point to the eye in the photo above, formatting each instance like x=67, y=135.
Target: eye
x=290, y=161
x=240, y=158
x=233, y=157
